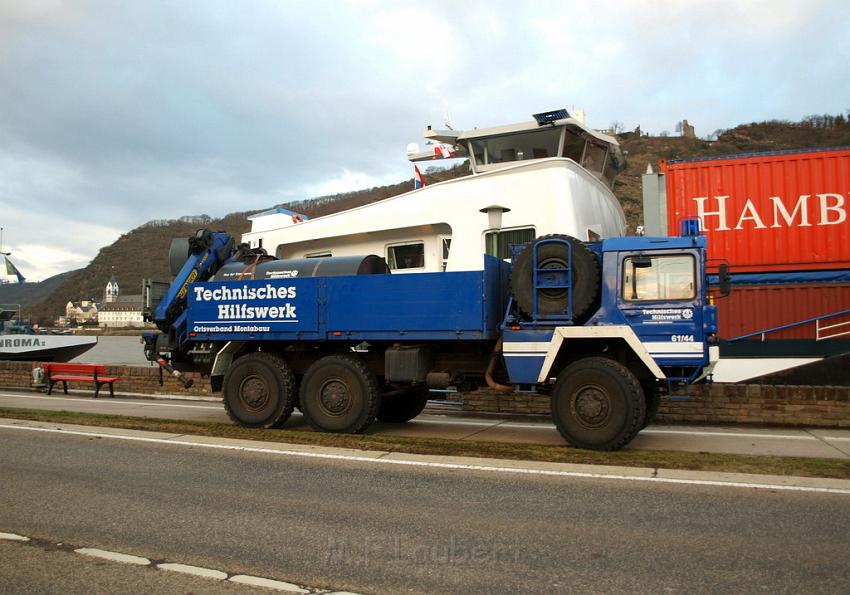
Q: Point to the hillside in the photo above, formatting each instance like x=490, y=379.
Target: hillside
x=27, y=294
x=138, y=254
x=143, y=252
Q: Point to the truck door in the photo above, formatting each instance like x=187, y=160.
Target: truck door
x=660, y=295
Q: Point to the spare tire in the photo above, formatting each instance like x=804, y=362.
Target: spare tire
x=553, y=255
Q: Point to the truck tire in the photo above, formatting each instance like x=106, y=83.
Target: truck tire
x=598, y=404
x=259, y=391
x=585, y=278
x=339, y=394
x=403, y=407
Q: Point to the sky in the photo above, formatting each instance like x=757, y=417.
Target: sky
x=114, y=113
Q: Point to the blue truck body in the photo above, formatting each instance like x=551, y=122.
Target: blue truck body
x=414, y=307
x=350, y=347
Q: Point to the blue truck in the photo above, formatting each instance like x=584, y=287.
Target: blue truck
x=605, y=328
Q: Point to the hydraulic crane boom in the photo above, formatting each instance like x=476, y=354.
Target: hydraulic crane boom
x=207, y=251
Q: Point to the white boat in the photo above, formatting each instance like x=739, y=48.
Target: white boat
x=549, y=176
x=19, y=342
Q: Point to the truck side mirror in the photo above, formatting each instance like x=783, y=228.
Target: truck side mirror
x=724, y=280
x=641, y=262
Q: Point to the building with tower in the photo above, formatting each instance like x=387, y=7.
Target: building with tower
x=119, y=311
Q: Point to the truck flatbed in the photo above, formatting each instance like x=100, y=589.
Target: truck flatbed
x=421, y=306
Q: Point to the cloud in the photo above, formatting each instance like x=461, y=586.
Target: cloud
x=112, y=114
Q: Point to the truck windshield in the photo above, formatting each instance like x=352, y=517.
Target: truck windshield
x=659, y=278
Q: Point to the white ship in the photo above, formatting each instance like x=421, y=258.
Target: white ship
x=18, y=341
x=550, y=175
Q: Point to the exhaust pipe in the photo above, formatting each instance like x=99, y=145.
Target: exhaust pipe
x=488, y=375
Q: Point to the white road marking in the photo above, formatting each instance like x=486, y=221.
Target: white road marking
x=194, y=570
x=731, y=434
x=113, y=556
x=112, y=402
x=13, y=537
x=455, y=423
x=187, y=569
x=268, y=583
x=436, y=465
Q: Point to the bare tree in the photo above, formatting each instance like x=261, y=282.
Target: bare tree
x=616, y=127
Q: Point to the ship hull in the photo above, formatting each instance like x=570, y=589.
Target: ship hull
x=43, y=348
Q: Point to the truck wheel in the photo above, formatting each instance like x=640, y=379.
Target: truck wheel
x=598, y=404
x=259, y=391
x=404, y=407
x=584, y=277
x=339, y=394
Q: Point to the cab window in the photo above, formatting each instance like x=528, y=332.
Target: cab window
x=659, y=278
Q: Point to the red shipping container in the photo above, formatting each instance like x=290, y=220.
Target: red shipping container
x=753, y=308
x=783, y=211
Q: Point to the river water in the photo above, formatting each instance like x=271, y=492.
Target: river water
x=115, y=350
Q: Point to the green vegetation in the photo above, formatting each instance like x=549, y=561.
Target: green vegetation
x=766, y=465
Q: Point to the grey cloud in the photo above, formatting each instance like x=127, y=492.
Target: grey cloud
x=128, y=111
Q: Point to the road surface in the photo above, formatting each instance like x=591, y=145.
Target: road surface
x=354, y=524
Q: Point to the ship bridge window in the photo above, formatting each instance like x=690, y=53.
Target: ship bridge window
x=508, y=148
x=659, y=278
x=573, y=146
x=594, y=159
x=406, y=256
x=498, y=243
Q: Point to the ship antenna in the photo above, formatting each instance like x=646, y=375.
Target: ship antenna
x=1, y=244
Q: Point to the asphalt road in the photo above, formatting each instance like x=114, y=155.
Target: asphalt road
x=826, y=443
x=45, y=569
x=366, y=527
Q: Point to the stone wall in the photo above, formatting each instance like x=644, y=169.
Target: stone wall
x=825, y=406
x=134, y=380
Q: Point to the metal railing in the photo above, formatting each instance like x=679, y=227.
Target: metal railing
x=818, y=328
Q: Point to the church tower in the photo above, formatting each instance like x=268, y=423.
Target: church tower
x=110, y=294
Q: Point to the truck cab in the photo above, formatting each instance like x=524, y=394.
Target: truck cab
x=614, y=352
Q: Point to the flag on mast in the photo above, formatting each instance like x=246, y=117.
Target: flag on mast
x=443, y=151
x=11, y=270
x=418, y=180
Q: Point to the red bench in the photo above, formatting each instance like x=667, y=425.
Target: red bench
x=65, y=373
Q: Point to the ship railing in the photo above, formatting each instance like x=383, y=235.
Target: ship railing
x=818, y=328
